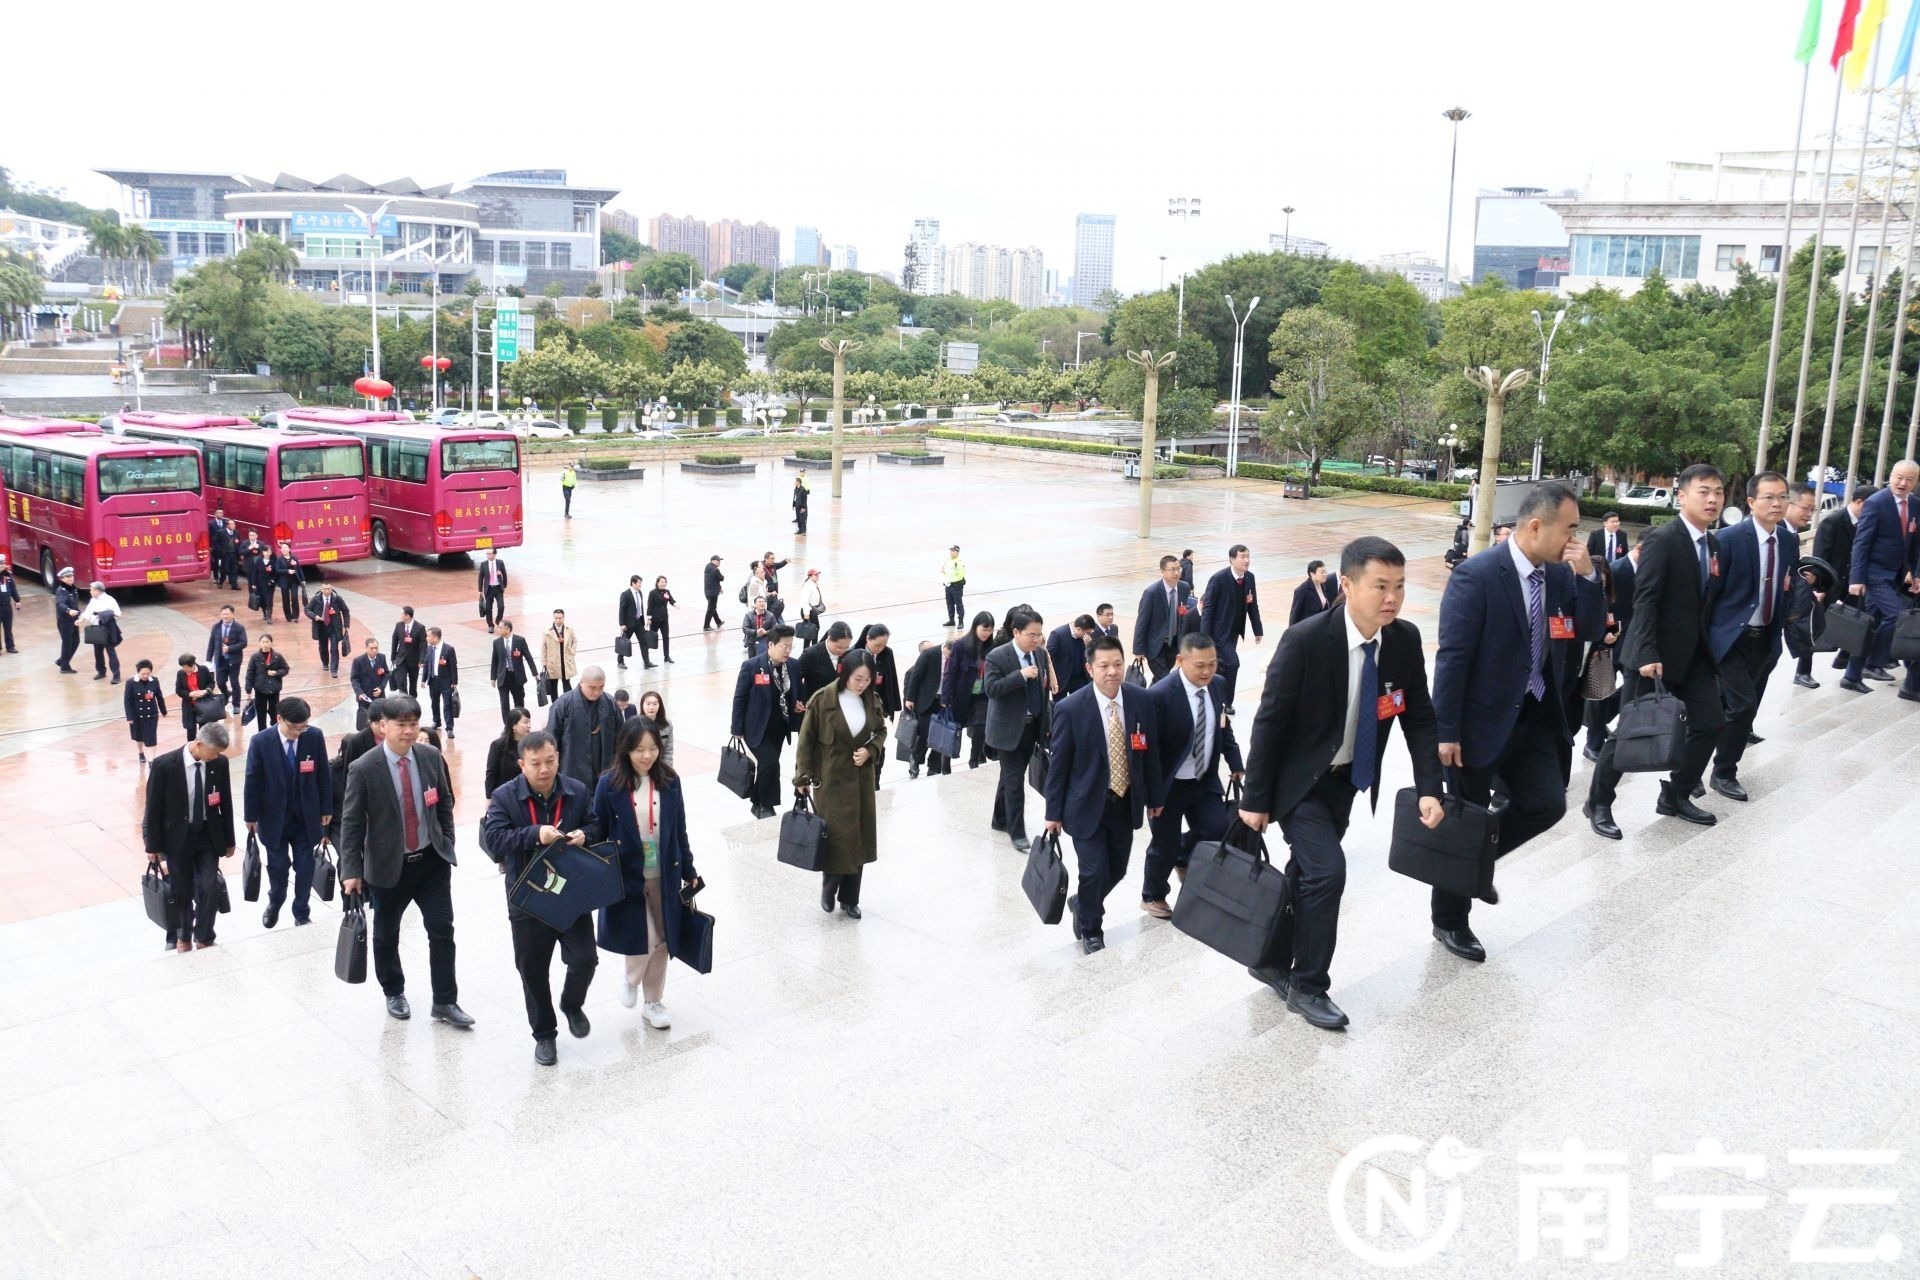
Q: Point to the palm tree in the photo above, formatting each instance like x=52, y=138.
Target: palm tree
x=19, y=289
x=106, y=241
x=143, y=247
x=275, y=257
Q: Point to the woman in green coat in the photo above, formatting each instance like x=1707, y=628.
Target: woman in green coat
x=840, y=741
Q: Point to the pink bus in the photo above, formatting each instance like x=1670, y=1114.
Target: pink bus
x=127, y=513
x=430, y=490
x=308, y=490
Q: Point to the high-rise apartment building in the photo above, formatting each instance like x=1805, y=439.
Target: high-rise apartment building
x=1027, y=278
x=927, y=261
x=620, y=220
x=806, y=246
x=1092, y=257
x=987, y=271
x=668, y=234
x=730, y=241
x=844, y=257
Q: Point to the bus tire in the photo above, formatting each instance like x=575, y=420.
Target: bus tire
x=382, y=545
x=48, y=576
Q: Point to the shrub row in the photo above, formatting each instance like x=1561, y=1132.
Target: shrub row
x=716, y=459
x=1026, y=442
x=814, y=454
x=605, y=464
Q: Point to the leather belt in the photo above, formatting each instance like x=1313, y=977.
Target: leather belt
x=418, y=854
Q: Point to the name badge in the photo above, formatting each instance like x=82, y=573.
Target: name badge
x=761, y=677
x=1139, y=741
x=1249, y=597
x=1560, y=627
x=306, y=766
x=431, y=796
x=1392, y=704
x=1183, y=611
x=1713, y=566
x=213, y=799
x=381, y=672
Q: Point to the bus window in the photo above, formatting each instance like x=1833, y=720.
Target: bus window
x=377, y=457
x=215, y=458
x=249, y=469
x=410, y=462
x=478, y=455
x=149, y=475
x=16, y=462
x=42, y=475
x=320, y=462
x=70, y=481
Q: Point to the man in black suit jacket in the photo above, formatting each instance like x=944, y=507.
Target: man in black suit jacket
x=1883, y=575
x=1067, y=651
x=409, y=637
x=1191, y=734
x=1833, y=543
x=1314, y=594
x=1607, y=543
x=1674, y=591
x=188, y=828
x=819, y=666
x=1230, y=606
x=1336, y=684
x=512, y=666
x=1103, y=623
x=1760, y=563
x=1107, y=723
x=1016, y=686
x=287, y=801
x=443, y=678
x=1166, y=613
x=920, y=695
x=396, y=838
x=352, y=747
x=227, y=654
x=368, y=676
x=491, y=582
x=633, y=613
x=1512, y=623
x=711, y=581
x=766, y=710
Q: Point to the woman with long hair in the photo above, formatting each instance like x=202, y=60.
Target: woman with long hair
x=638, y=803
x=963, y=690
x=503, y=756
x=1599, y=713
x=835, y=763
x=653, y=709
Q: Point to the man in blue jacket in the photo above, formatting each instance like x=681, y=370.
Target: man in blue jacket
x=766, y=711
x=1885, y=574
x=1193, y=733
x=1749, y=619
x=1167, y=612
x=1230, y=606
x=227, y=654
x=287, y=802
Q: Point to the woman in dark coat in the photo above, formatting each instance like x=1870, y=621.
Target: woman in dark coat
x=963, y=689
x=800, y=497
x=503, y=754
x=266, y=671
x=145, y=706
x=922, y=697
x=259, y=570
x=193, y=685
x=835, y=763
x=658, y=601
x=874, y=639
x=1315, y=595
x=639, y=805
x=1599, y=713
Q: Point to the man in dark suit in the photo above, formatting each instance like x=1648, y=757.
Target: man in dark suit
x=920, y=695
x=1336, y=684
x=713, y=580
x=1099, y=782
x=66, y=617
x=1674, y=591
x=288, y=804
x=512, y=666
x=491, y=582
x=1884, y=574
x=291, y=576
x=819, y=665
x=188, y=828
x=1067, y=651
x=633, y=613
x=227, y=654
x=1103, y=623
x=396, y=837
x=1832, y=543
x=540, y=808
x=409, y=637
x=443, y=678
x=1230, y=606
x=766, y=711
x=1190, y=735
x=1166, y=613
x=331, y=620
x=1314, y=594
x=220, y=548
x=1607, y=544
x=1760, y=559
x=352, y=747
x=758, y=624
x=1016, y=687
x=1512, y=623
x=368, y=676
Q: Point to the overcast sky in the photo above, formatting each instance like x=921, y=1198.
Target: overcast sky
x=1003, y=120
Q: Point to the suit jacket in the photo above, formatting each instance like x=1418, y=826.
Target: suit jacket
x=1625, y=574
x=1009, y=701
x=409, y=638
x=886, y=681
x=511, y=666
x=1882, y=555
x=657, y=602
x=1229, y=607
x=1173, y=734
x=1670, y=612
x=1740, y=567
x=287, y=571
x=1078, y=776
x=966, y=664
x=756, y=703
x=373, y=828
x=511, y=837
x=1597, y=545
x=1481, y=671
x=1303, y=712
x=1306, y=600
x=1068, y=653
x=446, y=673
x=270, y=788
x=923, y=682
x=1150, y=620
x=163, y=827
x=232, y=651
x=631, y=610
x=368, y=676
x=317, y=610
x=480, y=578
x=352, y=747
x=817, y=670
x=754, y=622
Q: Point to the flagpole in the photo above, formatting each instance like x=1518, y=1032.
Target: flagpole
x=1846, y=278
x=1900, y=313
x=1786, y=259
x=1874, y=290
x=1816, y=281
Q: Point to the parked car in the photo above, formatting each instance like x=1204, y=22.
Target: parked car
x=739, y=433
x=1016, y=415
x=1646, y=495
x=483, y=418
x=448, y=417
x=540, y=429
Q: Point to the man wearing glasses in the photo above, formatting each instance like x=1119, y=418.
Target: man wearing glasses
x=1750, y=618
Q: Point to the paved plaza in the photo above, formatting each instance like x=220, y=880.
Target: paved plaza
x=947, y=1087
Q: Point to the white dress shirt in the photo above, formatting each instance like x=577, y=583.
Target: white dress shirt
x=1192, y=691
x=1354, y=660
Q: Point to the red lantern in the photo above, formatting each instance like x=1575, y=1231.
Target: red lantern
x=426, y=362
x=444, y=363
x=373, y=388
x=362, y=386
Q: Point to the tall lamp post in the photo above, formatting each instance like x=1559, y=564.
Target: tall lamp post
x=1455, y=114
x=1239, y=349
x=1184, y=208
x=1077, y=335
x=1286, y=234
x=373, y=276
x=1151, y=365
x=838, y=348
x=1450, y=440
x=1546, y=357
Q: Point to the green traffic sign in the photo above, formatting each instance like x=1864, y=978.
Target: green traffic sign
x=506, y=332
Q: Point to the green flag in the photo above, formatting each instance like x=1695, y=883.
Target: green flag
x=1809, y=33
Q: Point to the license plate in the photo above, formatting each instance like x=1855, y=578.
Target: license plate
x=158, y=575
x=329, y=555
x=483, y=542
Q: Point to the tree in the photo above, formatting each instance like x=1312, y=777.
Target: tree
x=20, y=288
x=1386, y=313
x=1282, y=281
x=1185, y=411
x=737, y=274
x=553, y=375
x=275, y=259
x=1408, y=408
x=665, y=274
x=805, y=384
x=297, y=344
x=1149, y=321
x=696, y=384
x=144, y=248
x=1322, y=399
x=1487, y=325
x=107, y=241
x=473, y=287
x=618, y=246
x=704, y=340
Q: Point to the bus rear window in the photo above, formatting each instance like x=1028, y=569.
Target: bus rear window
x=173, y=473
x=478, y=455
x=321, y=462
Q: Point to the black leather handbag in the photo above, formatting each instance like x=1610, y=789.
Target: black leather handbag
x=1906, y=637
x=350, y=944
x=1457, y=855
x=736, y=769
x=803, y=836
x=1045, y=879
x=250, y=870
x=157, y=892
x=944, y=737
x=696, y=939
x=222, y=897
x=1234, y=900
x=807, y=631
x=97, y=634
x=623, y=646
x=1037, y=765
x=563, y=882
x=1652, y=732
x=903, y=735
x=649, y=640
x=325, y=876
x=1849, y=629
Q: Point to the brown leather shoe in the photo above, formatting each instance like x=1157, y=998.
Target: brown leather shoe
x=183, y=946
x=1158, y=909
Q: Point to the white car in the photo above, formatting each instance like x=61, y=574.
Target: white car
x=540, y=429
x=483, y=418
x=1646, y=495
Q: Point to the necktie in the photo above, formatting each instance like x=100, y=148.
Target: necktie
x=292, y=764
x=409, y=817
x=1766, y=584
x=1537, y=622
x=1173, y=616
x=198, y=813
x=1197, y=753
x=1706, y=567
x=1116, y=752
x=1366, y=730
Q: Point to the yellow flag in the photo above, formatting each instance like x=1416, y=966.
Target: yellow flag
x=1873, y=14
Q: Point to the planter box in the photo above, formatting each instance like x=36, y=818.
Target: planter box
x=908, y=460
x=817, y=464
x=598, y=477
x=714, y=469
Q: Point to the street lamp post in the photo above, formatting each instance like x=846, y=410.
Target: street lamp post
x=1239, y=349
x=1546, y=357
x=1450, y=440
x=1286, y=234
x=373, y=276
x=1184, y=208
x=1455, y=114
x=1077, y=335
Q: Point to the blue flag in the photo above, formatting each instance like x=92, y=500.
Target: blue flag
x=1904, y=58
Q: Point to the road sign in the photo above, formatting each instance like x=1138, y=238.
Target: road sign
x=506, y=330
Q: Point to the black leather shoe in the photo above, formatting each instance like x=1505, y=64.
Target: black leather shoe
x=1839, y=662
x=270, y=917
x=1877, y=673
x=1754, y=739
x=913, y=770
x=453, y=1015
x=1855, y=686
x=397, y=1007
x=1730, y=788
x=1022, y=844
x=1600, y=818
x=1910, y=695
x=1806, y=682
x=1275, y=978
x=1670, y=806
x=1589, y=752
x=1093, y=942
x=852, y=909
x=1461, y=942
x=826, y=894
x=578, y=1025
x=1699, y=789
x=1073, y=915
x=1317, y=1010
x=545, y=1053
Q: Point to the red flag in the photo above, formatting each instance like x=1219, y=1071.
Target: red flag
x=1843, y=38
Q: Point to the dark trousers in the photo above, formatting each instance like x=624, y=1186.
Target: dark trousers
x=265, y=707
x=1102, y=859
x=427, y=881
x=1318, y=872
x=1531, y=775
x=845, y=889
x=69, y=645
x=192, y=876
x=6, y=626
x=265, y=591
x=712, y=617
x=1706, y=720
x=1743, y=682
x=666, y=645
x=440, y=703
x=190, y=718
x=557, y=687
x=1162, y=662
x=566, y=496
x=406, y=675
x=1886, y=604
x=1230, y=667
x=289, y=853
x=226, y=678
x=533, y=943
x=800, y=519
x=495, y=599
x=332, y=648
x=766, y=773
x=956, y=603
x=512, y=694
x=1200, y=806
x=1599, y=715
x=104, y=654
x=1010, y=801
x=290, y=600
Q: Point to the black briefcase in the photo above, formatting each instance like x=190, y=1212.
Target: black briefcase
x=325, y=877
x=540, y=689
x=736, y=769
x=696, y=939
x=1457, y=855
x=623, y=646
x=807, y=631
x=222, y=897
x=944, y=737
x=157, y=892
x=903, y=736
x=563, y=882
x=1234, y=900
x=1045, y=879
x=1906, y=637
x=649, y=640
x=1849, y=629
x=350, y=944
x=453, y=704
x=483, y=604
x=250, y=870
x=803, y=837
x=1037, y=766
x=1652, y=733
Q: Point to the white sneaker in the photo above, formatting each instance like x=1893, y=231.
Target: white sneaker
x=629, y=994
x=656, y=1015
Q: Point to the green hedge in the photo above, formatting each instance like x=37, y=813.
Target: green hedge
x=717, y=459
x=1027, y=442
x=576, y=418
x=735, y=418
x=605, y=464
x=943, y=413
x=706, y=417
x=907, y=451
x=610, y=418
x=1359, y=484
x=814, y=454
x=818, y=415
x=1166, y=472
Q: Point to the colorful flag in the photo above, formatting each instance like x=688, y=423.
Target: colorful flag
x=1904, y=58
x=1872, y=14
x=1810, y=31
x=1843, y=37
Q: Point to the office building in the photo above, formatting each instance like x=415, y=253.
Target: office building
x=1299, y=246
x=926, y=268
x=807, y=247
x=844, y=257
x=1420, y=270
x=1092, y=258
x=729, y=241
x=1517, y=238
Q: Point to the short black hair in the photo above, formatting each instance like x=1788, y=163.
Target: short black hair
x=1699, y=471
x=536, y=740
x=838, y=631
x=1799, y=489
x=435, y=631
x=145, y=664
x=1020, y=619
x=377, y=710
x=1864, y=492
x=1545, y=500
x=1104, y=644
x=1103, y=607
x=1761, y=477
x=1194, y=641
x=1611, y=515
x=1085, y=622
x=295, y=710
x=401, y=707
x=779, y=633
x=1167, y=560
x=1361, y=552
x=406, y=610
x=1236, y=549
x=1315, y=564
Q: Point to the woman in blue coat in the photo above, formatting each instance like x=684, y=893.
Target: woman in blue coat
x=639, y=805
